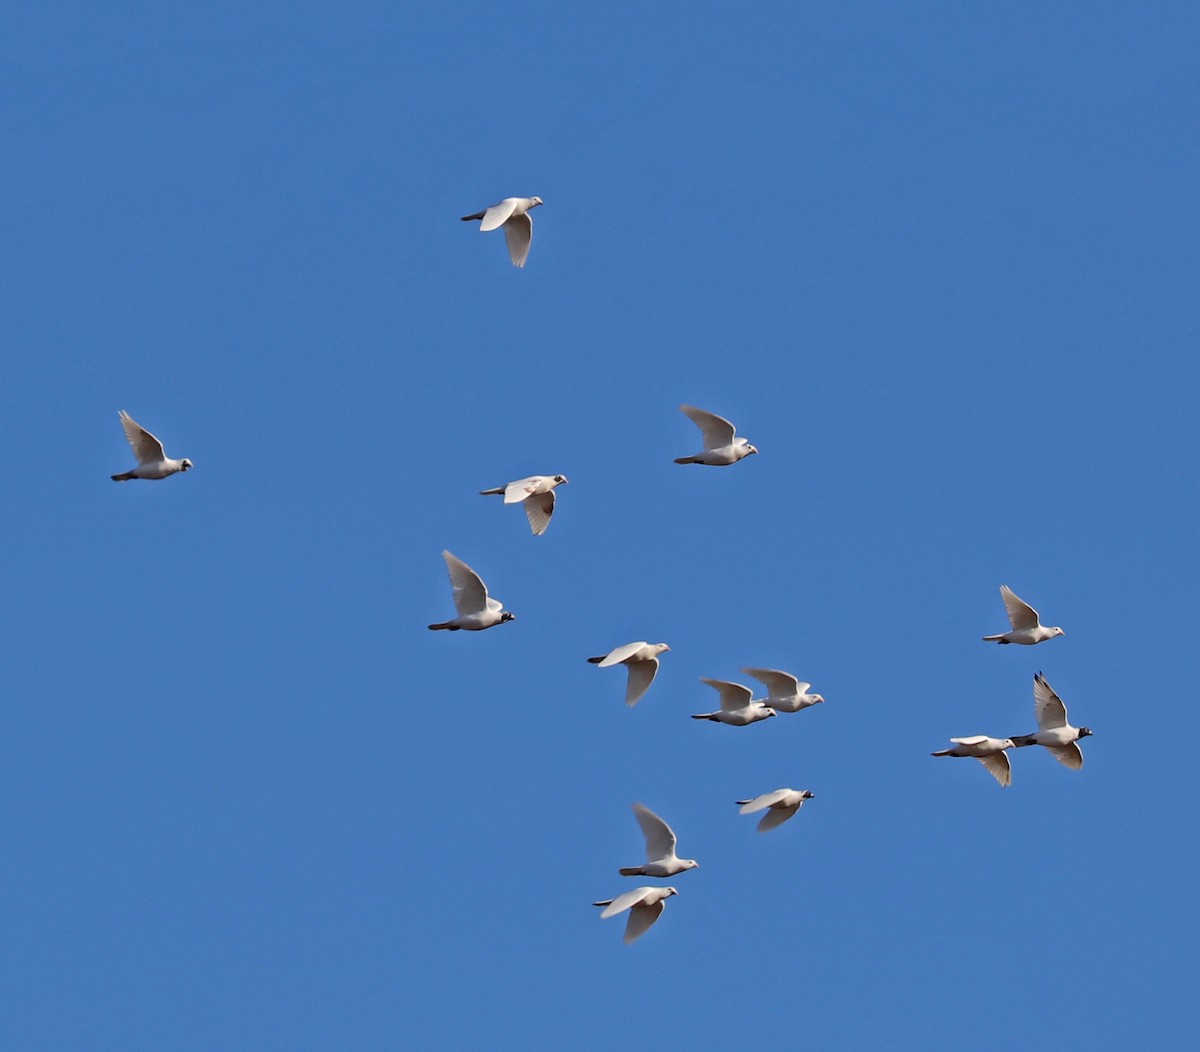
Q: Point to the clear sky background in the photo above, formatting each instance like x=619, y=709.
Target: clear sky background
x=938, y=261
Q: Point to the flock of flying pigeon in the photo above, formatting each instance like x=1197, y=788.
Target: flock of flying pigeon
x=476, y=611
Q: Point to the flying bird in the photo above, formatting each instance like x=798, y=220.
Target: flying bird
x=153, y=462
x=737, y=707
x=721, y=444
x=780, y=805
x=536, y=493
x=476, y=609
x=1054, y=731
x=644, y=905
x=785, y=693
x=513, y=214
x=1027, y=629
x=661, y=860
x=641, y=658
x=988, y=751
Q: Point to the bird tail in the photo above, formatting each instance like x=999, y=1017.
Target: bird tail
x=629, y=871
x=705, y=716
x=1023, y=739
x=477, y=215
x=994, y=639
x=743, y=802
x=606, y=902
x=125, y=477
x=491, y=492
x=444, y=625
x=944, y=752
x=687, y=460
x=597, y=660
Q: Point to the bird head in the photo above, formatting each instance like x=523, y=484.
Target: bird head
x=1056, y=632
x=1085, y=732
x=185, y=464
x=560, y=480
x=670, y=892
x=660, y=647
x=535, y=201
x=507, y=615
x=817, y=699
x=806, y=795
x=751, y=449
x=689, y=863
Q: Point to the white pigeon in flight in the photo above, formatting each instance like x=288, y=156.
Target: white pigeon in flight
x=738, y=709
x=536, y=493
x=988, y=751
x=513, y=214
x=1027, y=629
x=644, y=904
x=641, y=658
x=785, y=693
x=721, y=444
x=153, y=462
x=661, y=860
x=1054, y=730
x=780, y=805
x=476, y=610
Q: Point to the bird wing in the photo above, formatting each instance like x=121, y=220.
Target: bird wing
x=759, y=803
x=660, y=838
x=641, y=675
x=624, y=902
x=1069, y=755
x=538, y=509
x=641, y=917
x=1047, y=706
x=1020, y=614
x=777, y=816
x=518, y=232
x=779, y=684
x=615, y=657
x=498, y=214
x=974, y=739
x=470, y=595
x=717, y=430
x=517, y=491
x=998, y=765
x=733, y=695
x=147, y=448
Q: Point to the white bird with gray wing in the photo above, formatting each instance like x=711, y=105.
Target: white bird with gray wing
x=738, y=709
x=988, y=751
x=513, y=214
x=721, y=444
x=645, y=905
x=661, y=860
x=476, y=609
x=1054, y=729
x=1027, y=628
x=780, y=805
x=785, y=693
x=641, y=658
x=153, y=462
x=536, y=493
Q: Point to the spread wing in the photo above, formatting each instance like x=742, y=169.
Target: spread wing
x=498, y=214
x=1047, y=706
x=538, y=509
x=1068, y=755
x=733, y=695
x=1020, y=614
x=717, y=430
x=998, y=765
x=641, y=675
x=615, y=657
x=518, y=232
x=660, y=838
x=776, y=817
x=975, y=739
x=760, y=803
x=779, y=684
x=147, y=448
x=515, y=492
x=470, y=595
x=640, y=918
x=624, y=902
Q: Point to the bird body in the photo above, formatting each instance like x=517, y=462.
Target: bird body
x=645, y=905
x=780, y=805
x=476, y=609
x=661, y=860
x=988, y=751
x=536, y=493
x=1054, y=729
x=641, y=658
x=1027, y=628
x=513, y=214
x=722, y=447
x=737, y=707
x=153, y=462
x=785, y=693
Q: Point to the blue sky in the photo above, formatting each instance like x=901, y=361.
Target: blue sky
x=936, y=260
